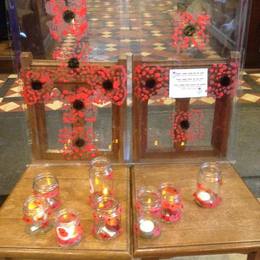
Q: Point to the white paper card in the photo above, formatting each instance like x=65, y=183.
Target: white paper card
x=188, y=83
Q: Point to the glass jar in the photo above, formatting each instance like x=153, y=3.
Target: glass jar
x=69, y=231
x=107, y=218
x=148, y=208
x=100, y=179
x=35, y=214
x=171, y=210
x=209, y=182
x=46, y=185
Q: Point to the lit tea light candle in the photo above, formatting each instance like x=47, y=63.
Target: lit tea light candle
x=146, y=228
x=68, y=229
x=203, y=196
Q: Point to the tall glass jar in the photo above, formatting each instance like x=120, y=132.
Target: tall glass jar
x=69, y=231
x=171, y=210
x=35, y=214
x=107, y=218
x=46, y=185
x=148, y=206
x=100, y=179
x=209, y=183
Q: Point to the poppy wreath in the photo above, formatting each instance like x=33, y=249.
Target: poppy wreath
x=109, y=84
x=78, y=106
x=223, y=80
x=37, y=86
x=67, y=20
x=190, y=31
x=150, y=81
x=187, y=126
x=77, y=143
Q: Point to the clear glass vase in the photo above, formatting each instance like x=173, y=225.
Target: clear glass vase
x=100, y=179
x=47, y=185
x=209, y=183
x=107, y=218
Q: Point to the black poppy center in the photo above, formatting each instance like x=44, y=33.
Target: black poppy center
x=107, y=84
x=185, y=124
x=150, y=83
x=79, y=142
x=68, y=16
x=225, y=81
x=78, y=104
x=73, y=63
x=36, y=85
x=189, y=30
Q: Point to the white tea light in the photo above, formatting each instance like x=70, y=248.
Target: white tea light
x=204, y=196
x=146, y=228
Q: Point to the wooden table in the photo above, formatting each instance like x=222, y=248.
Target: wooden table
x=233, y=227
x=16, y=244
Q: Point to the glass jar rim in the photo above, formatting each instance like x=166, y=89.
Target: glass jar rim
x=146, y=190
x=66, y=211
x=47, y=187
x=215, y=170
x=112, y=207
x=100, y=161
x=33, y=198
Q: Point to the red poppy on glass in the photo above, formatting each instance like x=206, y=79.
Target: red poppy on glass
x=151, y=81
x=187, y=126
x=190, y=31
x=109, y=84
x=78, y=143
x=37, y=86
x=223, y=80
x=67, y=19
x=78, y=106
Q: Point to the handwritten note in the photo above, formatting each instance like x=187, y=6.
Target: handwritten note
x=188, y=83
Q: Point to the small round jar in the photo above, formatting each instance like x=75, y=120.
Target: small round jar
x=35, y=215
x=171, y=210
x=100, y=179
x=209, y=182
x=46, y=185
x=107, y=218
x=69, y=231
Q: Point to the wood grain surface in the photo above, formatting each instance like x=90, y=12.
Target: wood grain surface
x=74, y=188
x=234, y=226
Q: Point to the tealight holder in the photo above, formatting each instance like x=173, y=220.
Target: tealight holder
x=47, y=186
x=35, y=215
x=148, y=208
x=69, y=231
x=100, y=179
x=209, y=182
x=171, y=210
x=107, y=218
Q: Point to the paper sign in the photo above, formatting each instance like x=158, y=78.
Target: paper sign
x=188, y=83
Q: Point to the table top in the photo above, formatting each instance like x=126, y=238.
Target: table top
x=234, y=226
x=74, y=191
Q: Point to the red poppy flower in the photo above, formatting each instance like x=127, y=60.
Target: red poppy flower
x=223, y=80
x=37, y=86
x=78, y=143
x=151, y=81
x=187, y=126
x=109, y=84
x=190, y=31
x=67, y=19
x=78, y=106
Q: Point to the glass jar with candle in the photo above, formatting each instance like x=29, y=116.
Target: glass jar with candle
x=46, y=185
x=107, y=218
x=35, y=214
x=100, y=179
x=69, y=231
x=171, y=210
x=208, y=185
x=148, y=208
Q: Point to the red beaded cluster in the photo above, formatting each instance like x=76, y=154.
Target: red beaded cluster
x=151, y=81
x=187, y=126
x=223, y=80
x=190, y=31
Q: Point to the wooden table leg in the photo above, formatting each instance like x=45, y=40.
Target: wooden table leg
x=253, y=256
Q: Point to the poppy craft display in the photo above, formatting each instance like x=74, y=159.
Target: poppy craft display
x=151, y=81
x=187, y=126
x=223, y=80
x=190, y=31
